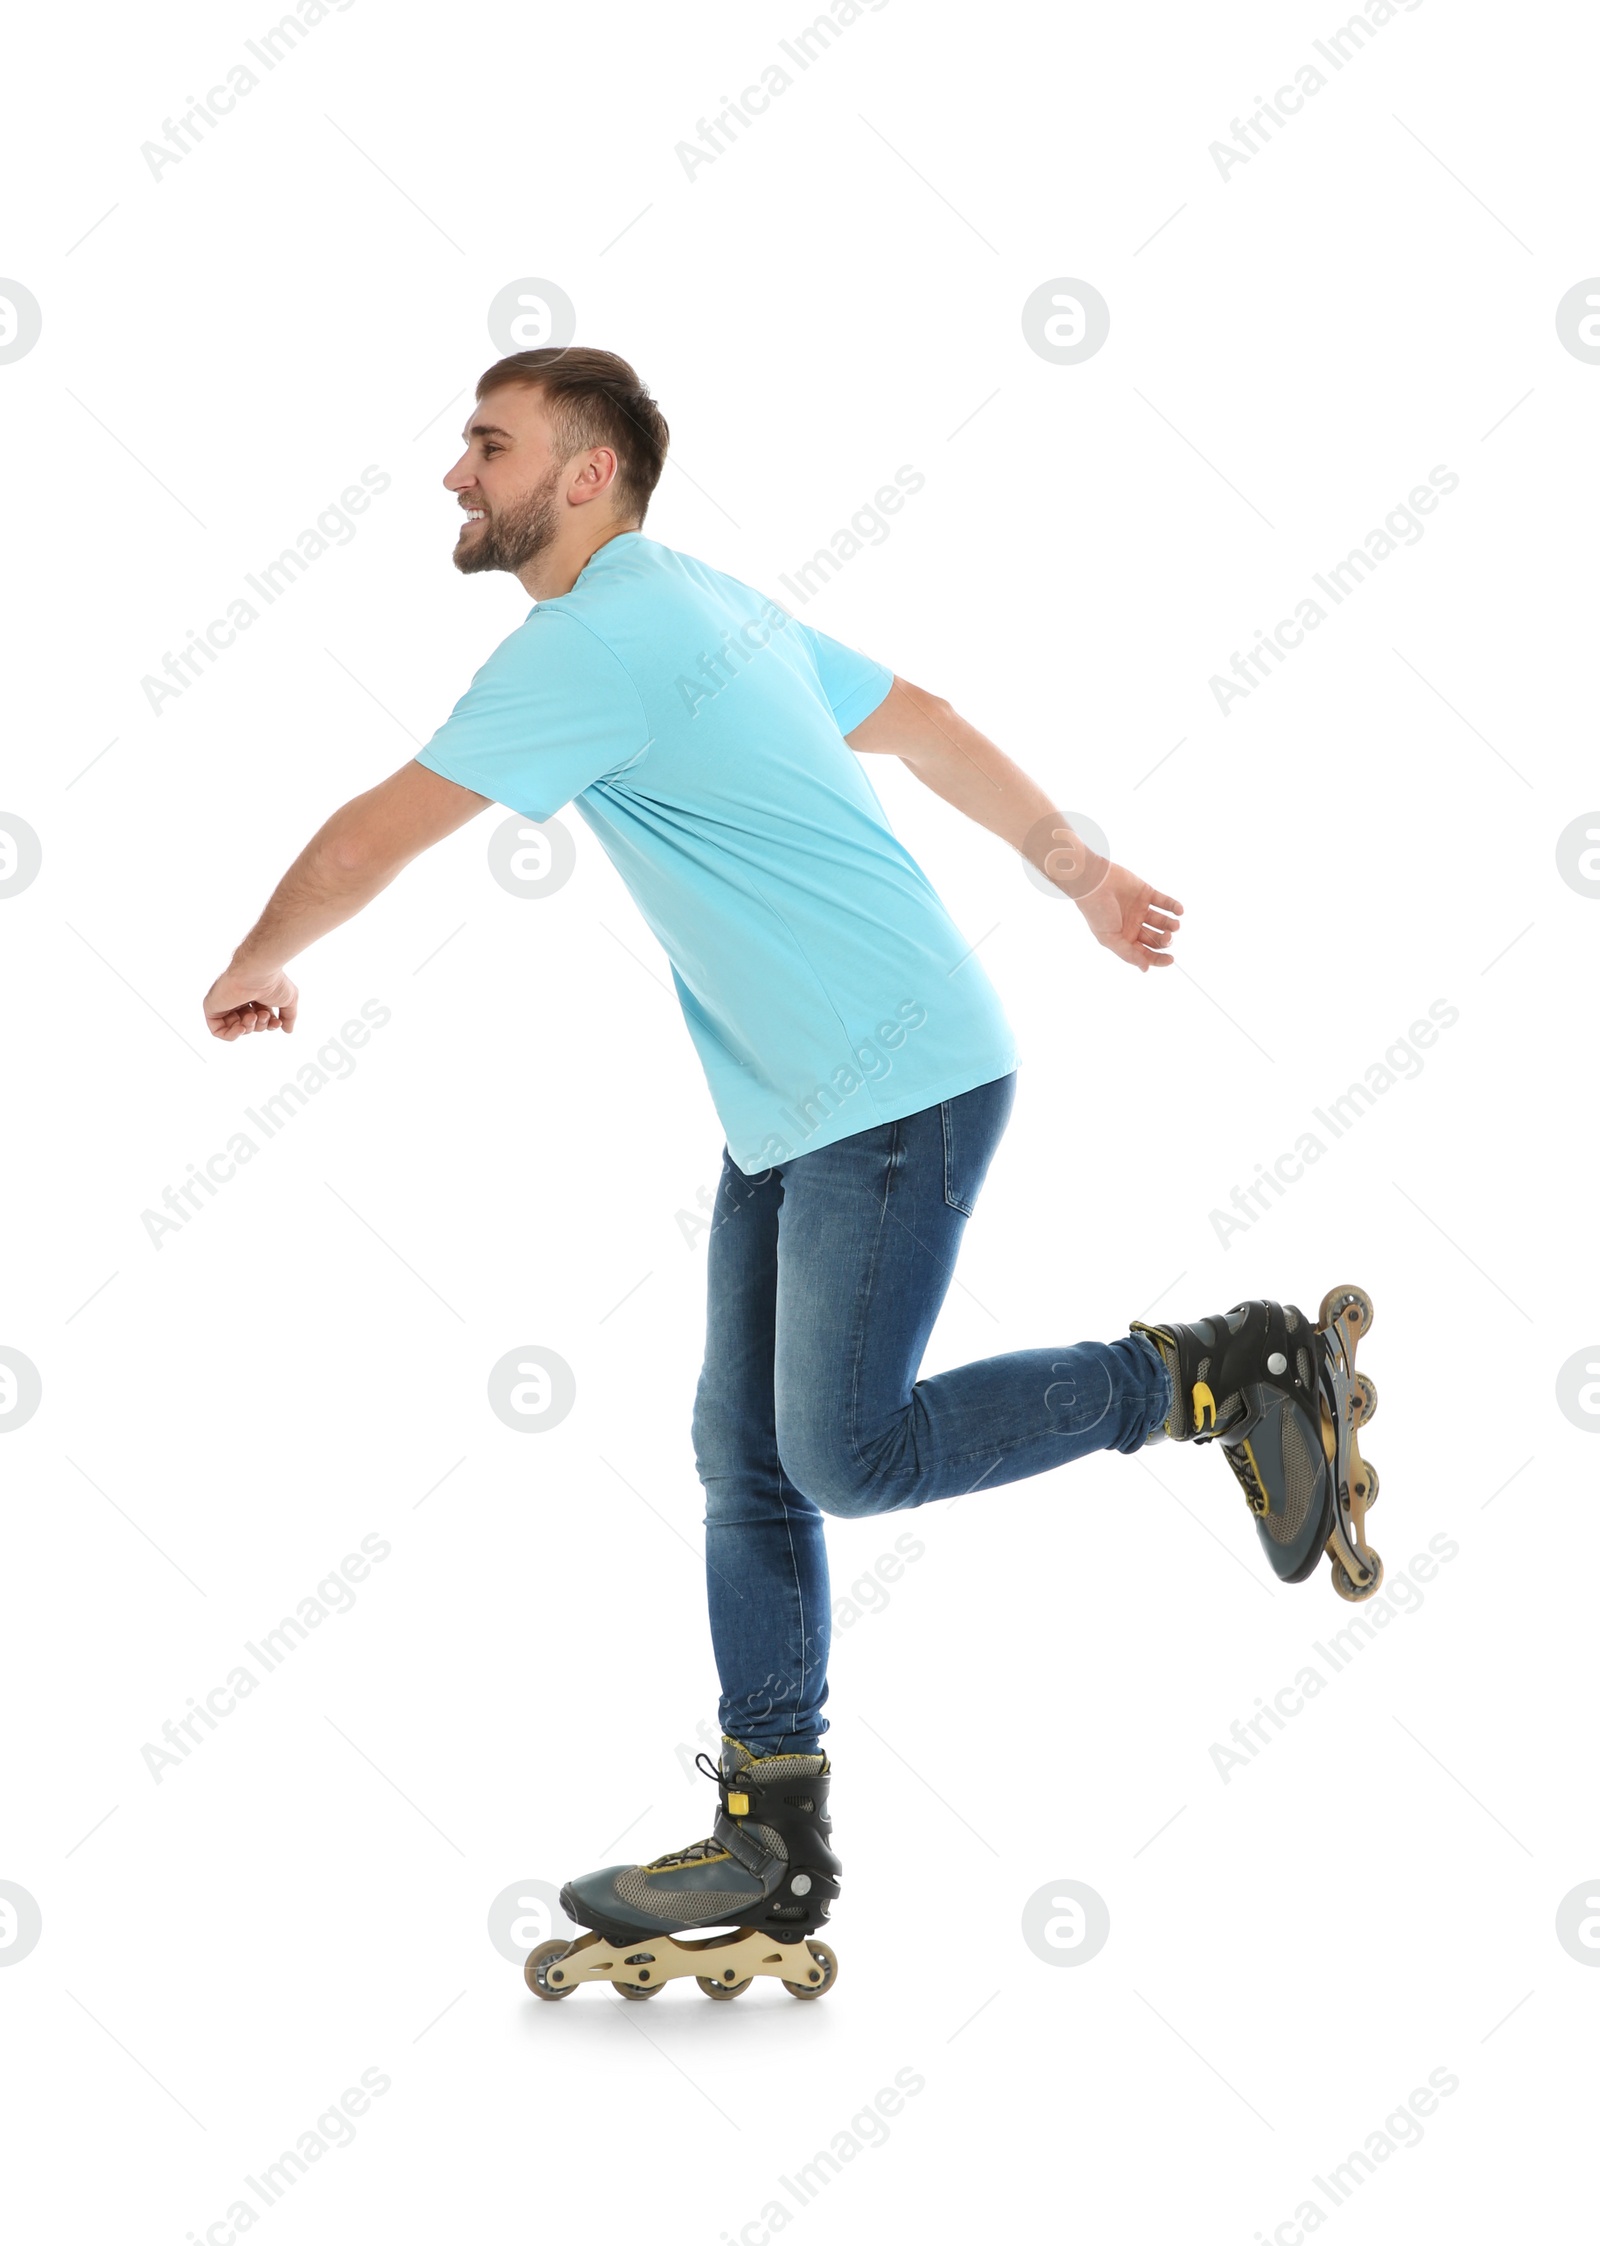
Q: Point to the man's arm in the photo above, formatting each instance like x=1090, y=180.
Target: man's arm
x=953, y=758
x=344, y=865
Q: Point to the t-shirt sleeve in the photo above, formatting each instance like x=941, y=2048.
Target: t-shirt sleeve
x=854, y=684
x=550, y=712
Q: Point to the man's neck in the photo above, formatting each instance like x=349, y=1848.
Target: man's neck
x=551, y=574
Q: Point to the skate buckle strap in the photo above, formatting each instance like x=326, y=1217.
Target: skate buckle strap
x=1204, y=1403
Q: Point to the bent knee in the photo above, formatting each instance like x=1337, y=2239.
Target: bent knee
x=845, y=1500
x=833, y=1475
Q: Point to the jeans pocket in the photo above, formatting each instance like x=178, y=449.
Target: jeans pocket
x=972, y=1125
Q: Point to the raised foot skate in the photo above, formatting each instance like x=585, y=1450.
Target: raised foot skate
x=723, y=1964
x=1349, y=1400
x=1284, y=1400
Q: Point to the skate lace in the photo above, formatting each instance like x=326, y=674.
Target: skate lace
x=700, y=1851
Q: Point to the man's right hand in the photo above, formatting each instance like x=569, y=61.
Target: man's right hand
x=238, y=1003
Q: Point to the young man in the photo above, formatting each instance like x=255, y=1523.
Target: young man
x=863, y=1072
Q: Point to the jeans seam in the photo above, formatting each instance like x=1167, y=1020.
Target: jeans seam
x=799, y=1592
x=864, y=1299
x=952, y=1199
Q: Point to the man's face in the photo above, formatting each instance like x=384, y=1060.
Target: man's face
x=508, y=482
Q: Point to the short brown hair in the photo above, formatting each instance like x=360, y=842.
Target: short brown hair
x=594, y=398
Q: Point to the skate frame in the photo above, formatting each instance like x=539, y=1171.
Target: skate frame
x=647, y=1960
x=1343, y=1414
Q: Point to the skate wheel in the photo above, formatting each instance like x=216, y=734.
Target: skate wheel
x=1355, y=1299
x=1344, y=1584
x=634, y=1994
x=1367, y=1395
x=534, y=1970
x=824, y=1971
x=1370, y=1475
x=723, y=1992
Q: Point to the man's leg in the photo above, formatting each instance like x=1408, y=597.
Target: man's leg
x=766, y=1564
x=868, y=1233
x=767, y=1866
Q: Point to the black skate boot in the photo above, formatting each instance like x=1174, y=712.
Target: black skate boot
x=768, y=1870
x=1284, y=1399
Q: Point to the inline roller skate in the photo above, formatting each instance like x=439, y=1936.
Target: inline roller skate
x=1284, y=1399
x=768, y=1871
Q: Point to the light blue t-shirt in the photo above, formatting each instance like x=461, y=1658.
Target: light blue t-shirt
x=700, y=729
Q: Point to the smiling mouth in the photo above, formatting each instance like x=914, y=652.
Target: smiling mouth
x=475, y=515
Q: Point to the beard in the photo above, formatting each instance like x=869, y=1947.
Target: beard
x=510, y=539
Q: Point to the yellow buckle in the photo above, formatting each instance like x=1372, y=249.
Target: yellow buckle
x=1204, y=1402
x=738, y=1805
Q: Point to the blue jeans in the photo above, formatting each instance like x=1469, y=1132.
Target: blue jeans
x=826, y=1275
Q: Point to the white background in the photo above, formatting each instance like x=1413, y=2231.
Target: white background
x=1369, y=1899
